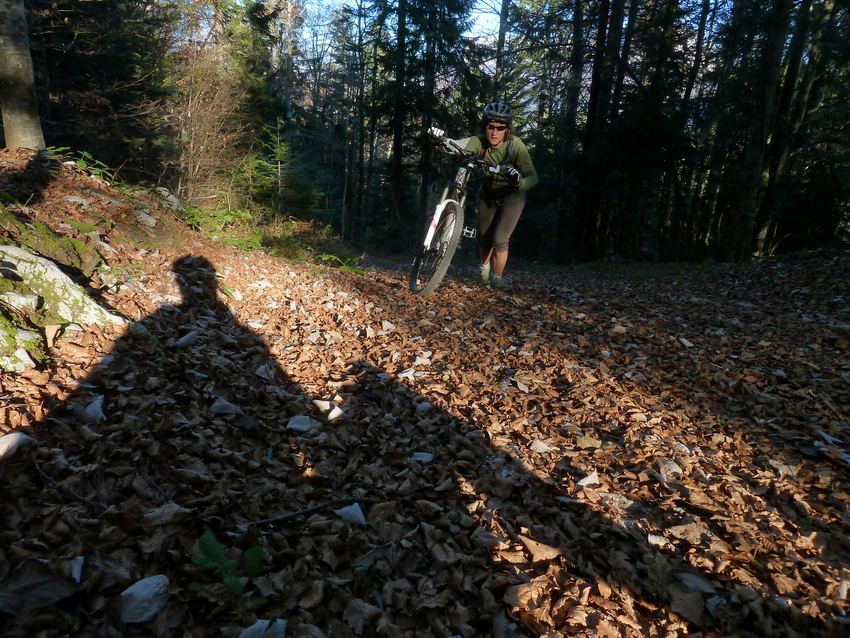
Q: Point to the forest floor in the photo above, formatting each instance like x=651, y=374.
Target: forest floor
x=660, y=455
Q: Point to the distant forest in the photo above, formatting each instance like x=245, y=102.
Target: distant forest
x=661, y=129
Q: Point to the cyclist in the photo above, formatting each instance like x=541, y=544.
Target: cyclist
x=502, y=196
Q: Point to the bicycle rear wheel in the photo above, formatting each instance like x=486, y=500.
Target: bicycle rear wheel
x=431, y=264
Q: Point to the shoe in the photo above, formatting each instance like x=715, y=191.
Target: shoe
x=485, y=273
x=497, y=282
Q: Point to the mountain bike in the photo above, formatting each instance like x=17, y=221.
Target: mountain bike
x=446, y=225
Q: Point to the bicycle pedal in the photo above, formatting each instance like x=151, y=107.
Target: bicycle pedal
x=470, y=232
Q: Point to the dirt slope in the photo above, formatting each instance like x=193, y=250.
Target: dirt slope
x=578, y=456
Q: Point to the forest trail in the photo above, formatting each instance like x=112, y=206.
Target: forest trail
x=607, y=456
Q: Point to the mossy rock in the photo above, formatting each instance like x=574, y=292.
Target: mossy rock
x=39, y=238
x=61, y=300
x=15, y=338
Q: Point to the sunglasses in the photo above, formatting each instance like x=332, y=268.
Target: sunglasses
x=495, y=127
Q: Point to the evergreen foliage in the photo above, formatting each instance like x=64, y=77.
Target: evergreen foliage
x=663, y=129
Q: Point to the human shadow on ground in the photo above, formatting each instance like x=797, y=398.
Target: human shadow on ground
x=187, y=426
x=27, y=185
x=157, y=444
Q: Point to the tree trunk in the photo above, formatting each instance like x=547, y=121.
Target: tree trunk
x=18, y=103
x=361, y=116
x=737, y=53
x=373, y=108
x=569, y=137
x=498, y=81
x=399, y=109
x=649, y=202
x=428, y=96
x=695, y=67
x=611, y=61
x=588, y=191
x=623, y=59
x=791, y=110
x=759, y=131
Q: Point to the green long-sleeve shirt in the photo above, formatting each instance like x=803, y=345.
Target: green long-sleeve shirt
x=497, y=187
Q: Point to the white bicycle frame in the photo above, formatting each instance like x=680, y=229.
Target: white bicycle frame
x=435, y=220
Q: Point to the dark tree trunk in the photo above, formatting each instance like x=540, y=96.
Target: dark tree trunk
x=428, y=93
x=587, y=195
x=569, y=136
x=792, y=101
x=760, y=130
x=623, y=61
x=399, y=109
x=498, y=77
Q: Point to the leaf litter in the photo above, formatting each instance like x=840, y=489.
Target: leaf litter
x=452, y=465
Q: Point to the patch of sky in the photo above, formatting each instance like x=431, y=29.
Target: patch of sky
x=485, y=14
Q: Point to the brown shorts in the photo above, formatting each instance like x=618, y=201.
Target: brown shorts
x=496, y=224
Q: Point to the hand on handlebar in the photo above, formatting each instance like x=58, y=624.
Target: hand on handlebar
x=514, y=176
x=442, y=143
x=437, y=133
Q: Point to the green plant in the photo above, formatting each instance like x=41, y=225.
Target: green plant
x=251, y=240
x=95, y=167
x=84, y=160
x=349, y=265
x=233, y=572
x=216, y=219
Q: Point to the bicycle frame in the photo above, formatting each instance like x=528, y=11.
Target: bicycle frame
x=457, y=188
x=435, y=220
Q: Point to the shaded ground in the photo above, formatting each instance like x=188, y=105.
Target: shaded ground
x=582, y=455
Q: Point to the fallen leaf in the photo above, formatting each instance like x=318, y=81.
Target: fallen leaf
x=539, y=551
x=32, y=586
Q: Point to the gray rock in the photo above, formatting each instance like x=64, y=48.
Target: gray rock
x=168, y=198
x=144, y=217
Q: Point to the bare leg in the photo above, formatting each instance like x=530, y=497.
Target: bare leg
x=485, y=254
x=499, y=260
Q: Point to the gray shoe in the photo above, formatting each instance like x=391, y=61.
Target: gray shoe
x=497, y=282
x=485, y=273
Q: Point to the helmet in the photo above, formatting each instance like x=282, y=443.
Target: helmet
x=499, y=111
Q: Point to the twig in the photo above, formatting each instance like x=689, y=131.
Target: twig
x=339, y=502
x=67, y=490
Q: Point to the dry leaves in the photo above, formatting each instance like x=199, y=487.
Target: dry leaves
x=581, y=456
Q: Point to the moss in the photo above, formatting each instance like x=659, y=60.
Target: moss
x=36, y=350
x=82, y=227
x=40, y=238
x=7, y=285
x=10, y=341
x=8, y=330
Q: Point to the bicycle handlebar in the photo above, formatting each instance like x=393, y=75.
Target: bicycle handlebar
x=453, y=149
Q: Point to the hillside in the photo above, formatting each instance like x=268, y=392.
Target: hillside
x=652, y=452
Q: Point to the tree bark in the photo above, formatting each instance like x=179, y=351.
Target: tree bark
x=760, y=130
x=794, y=105
x=361, y=115
x=623, y=60
x=18, y=103
x=569, y=136
x=587, y=195
x=429, y=98
x=399, y=109
x=498, y=77
x=695, y=67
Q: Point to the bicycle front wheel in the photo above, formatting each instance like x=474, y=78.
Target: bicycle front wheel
x=432, y=263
